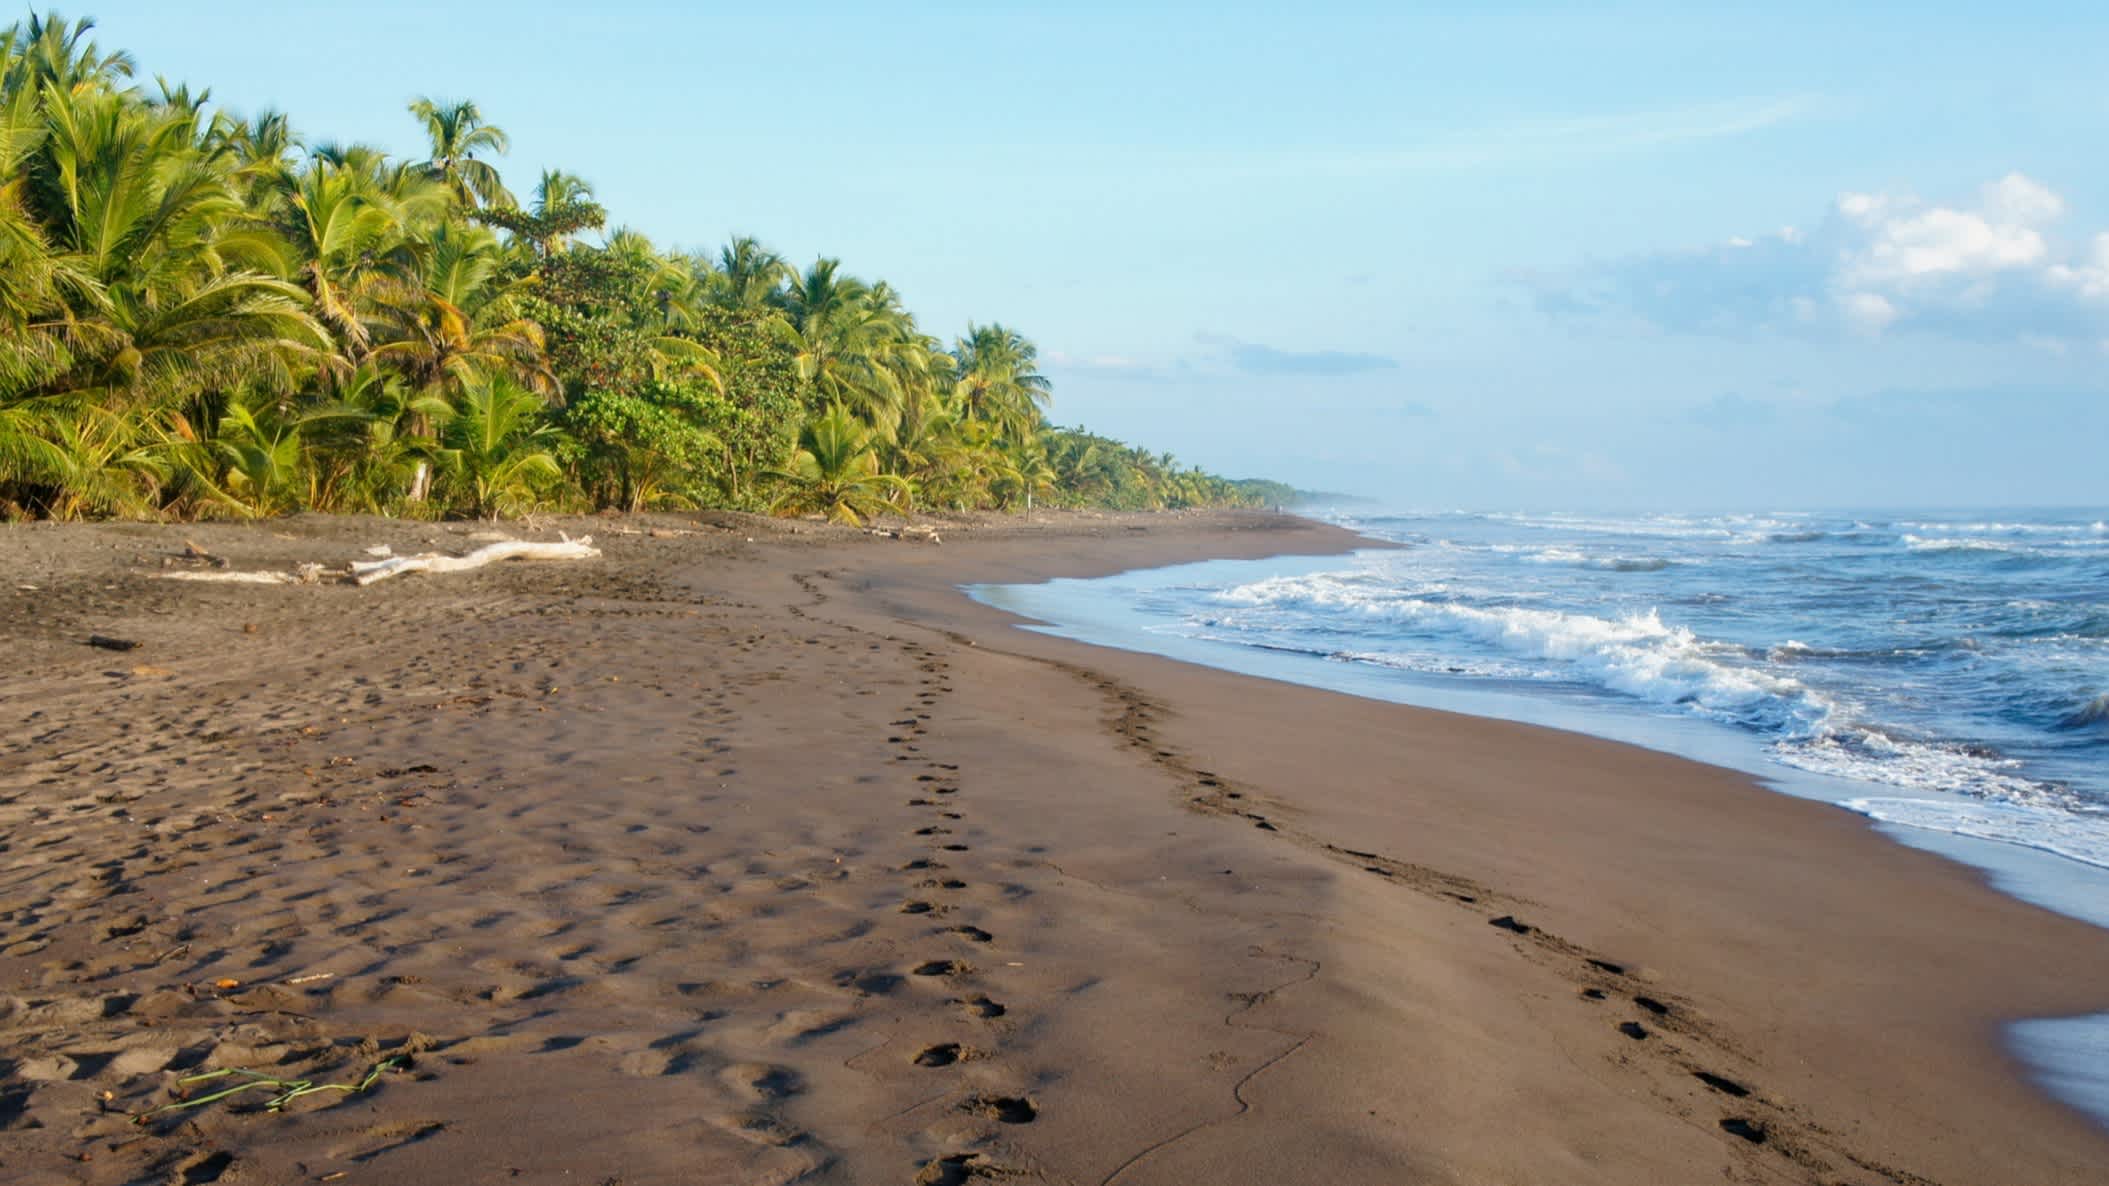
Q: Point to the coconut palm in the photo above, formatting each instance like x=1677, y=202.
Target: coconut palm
x=564, y=206
x=458, y=132
x=192, y=297
x=835, y=472
x=86, y=461
x=748, y=276
x=47, y=51
x=998, y=380
x=498, y=455
x=855, y=347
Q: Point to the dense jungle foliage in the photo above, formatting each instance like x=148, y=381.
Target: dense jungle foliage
x=203, y=314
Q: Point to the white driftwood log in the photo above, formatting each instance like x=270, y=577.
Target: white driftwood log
x=233, y=578
x=306, y=574
x=366, y=572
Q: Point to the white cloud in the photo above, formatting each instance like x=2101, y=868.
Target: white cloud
x=1867, y=311
x=2087, y=276
x=1995, y=266
x=1530, y=140
x=1941, y=242
x=2015, y=198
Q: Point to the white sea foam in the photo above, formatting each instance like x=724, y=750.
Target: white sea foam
x=1941, y=543
x=2074, y=836
x=1638, y=655
x=1869, y=755
x=1999, y=528
x=1576, y=558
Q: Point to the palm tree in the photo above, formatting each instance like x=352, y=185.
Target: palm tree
x=46, y=51
x=338, y=227
x=193, y=300
x=854, y=345
x=259, y=458
x=458, y=132
x=748, y=276
x=89, y=461
x=446, y=327
x=36, y=280
x=835, y=472
x=498, y=457
x=1027, y=472
x=999, y=381
x=564, y=206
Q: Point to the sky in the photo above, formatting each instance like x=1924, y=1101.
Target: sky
x=1670, y=256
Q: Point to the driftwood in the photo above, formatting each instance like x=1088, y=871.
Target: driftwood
x=306, y=574
x=925, y=534
x=193, y=552
x=107, y=643
x=366, y=572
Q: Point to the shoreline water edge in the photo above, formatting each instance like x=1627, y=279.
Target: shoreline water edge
x=755, y=850
x=1635, y=680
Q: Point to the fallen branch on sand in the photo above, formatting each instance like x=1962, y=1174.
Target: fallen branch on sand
x=366, y=572
x=285, y=1091
x=926, y=534
x=306, y=574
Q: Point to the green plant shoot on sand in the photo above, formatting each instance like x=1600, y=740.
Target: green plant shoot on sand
x=287, y=1090
x=203, y=313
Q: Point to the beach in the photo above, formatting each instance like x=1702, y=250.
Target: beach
x=754, y=851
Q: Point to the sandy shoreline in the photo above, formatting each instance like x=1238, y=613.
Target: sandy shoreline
x=725, y=859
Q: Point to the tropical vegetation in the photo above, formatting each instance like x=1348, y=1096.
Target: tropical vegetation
x=203, y=314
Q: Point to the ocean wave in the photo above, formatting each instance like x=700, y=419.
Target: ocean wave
x=1871, y=753
x=1663, y=526
x=2076, y=837
x=1579, y=559
x=1946, y=657
x=1431, y=663
x=2092, y=715
x=1636, y=655
x=2002, y=528
x=1943, y=543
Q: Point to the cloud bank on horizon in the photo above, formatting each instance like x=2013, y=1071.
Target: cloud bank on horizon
x=1999, y=267
x=1930, y=320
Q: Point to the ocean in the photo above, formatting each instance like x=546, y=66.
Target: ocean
x=1944, y=674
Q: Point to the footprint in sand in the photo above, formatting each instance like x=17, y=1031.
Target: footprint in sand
x=762, y=1081
x=1723, y=1085
x=1003, y=1109
x=1751, y=1131
x=956, y=1169
x=982, y=1006
x=943, y=1055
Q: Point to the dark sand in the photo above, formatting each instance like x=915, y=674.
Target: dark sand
x=717, y=860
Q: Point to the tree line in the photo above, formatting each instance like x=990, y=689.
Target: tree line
x=206, y=315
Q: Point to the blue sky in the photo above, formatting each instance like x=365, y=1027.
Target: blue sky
x=1640, y=255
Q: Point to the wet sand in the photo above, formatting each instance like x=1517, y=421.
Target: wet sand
x=757, y=853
